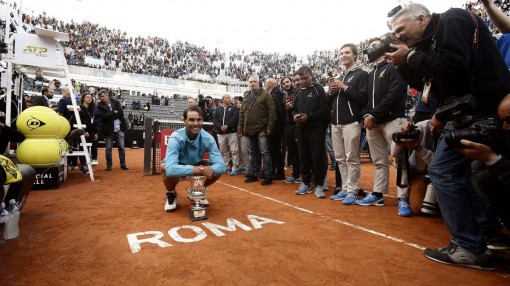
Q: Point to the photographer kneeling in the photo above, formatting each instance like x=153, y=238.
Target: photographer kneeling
x=421, y=193
x=491, y=171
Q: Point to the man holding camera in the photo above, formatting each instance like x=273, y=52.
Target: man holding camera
x=454, y=54
x=385, y=115
x=493, y=181
x=422, y=149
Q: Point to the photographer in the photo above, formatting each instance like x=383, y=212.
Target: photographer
x=422, y=151
x=493, y=181
x=453, y=60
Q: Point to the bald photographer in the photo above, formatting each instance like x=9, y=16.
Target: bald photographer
x=491, y=170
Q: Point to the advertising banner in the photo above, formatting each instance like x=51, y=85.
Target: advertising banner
x=35, y=51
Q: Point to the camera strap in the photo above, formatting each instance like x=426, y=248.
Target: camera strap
x=403, y=158
x=474, y=45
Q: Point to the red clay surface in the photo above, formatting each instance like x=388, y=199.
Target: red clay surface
x=77, y=235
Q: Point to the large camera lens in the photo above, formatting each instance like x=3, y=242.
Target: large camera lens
x=453, y=137
x=374, y=53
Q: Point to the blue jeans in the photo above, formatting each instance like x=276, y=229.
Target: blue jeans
x=260, y=140
x=329, y=147
x=119, y=138
x=458, y=200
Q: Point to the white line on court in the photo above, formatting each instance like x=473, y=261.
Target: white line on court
x=342, y=222
x=330, y=218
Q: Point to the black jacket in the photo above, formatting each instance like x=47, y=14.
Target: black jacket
x=289, y=97
x=347, y=104
x=279, y=102
x=313, y=102
x=108, y=116
x=446, y=55
x=39, y=100
x=226, y=116
x=387, y=93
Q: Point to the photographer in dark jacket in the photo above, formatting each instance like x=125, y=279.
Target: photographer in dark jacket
x=114, y=125
x=226, y=119
x=454, y=54
x=310, y=112
x=493, y=181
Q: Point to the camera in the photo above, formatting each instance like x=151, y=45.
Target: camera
x=455, y=108
x=413, y=134
x=485, y=132
x=374, y=53
x=202, y=103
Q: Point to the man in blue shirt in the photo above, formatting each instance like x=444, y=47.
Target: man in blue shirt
x=185, y=153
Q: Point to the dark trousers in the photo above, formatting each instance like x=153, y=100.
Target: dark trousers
x=312, y=153
x=275, y=148
x=292, y=151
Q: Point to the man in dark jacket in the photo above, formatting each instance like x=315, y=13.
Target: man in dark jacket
x=257, y=120
x=44, y=98
x=226, y=119
x=385, y=115
x=291, y=87
x=454, y=54
x=275, y=140
x=347, y=97
x=310, y=112
x=114, y=126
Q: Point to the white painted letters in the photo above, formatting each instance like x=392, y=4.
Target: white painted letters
x=258, y=221
x=231, y=226
x=134, y=241
x=198, y=234
x=174, y=233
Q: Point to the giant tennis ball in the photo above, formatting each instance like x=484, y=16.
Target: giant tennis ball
x=65, y=128
x=41, y=121
x=41, y=153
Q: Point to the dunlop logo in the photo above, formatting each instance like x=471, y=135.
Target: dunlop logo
x=34, y=123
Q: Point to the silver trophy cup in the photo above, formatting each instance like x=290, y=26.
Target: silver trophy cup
x=196, y=192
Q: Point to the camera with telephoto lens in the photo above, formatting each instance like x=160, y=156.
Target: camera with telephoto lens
x=374, y=53
x=484, y=132
x=456, y=108
x=412, y=134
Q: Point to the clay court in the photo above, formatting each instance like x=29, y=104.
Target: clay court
x=114, y=232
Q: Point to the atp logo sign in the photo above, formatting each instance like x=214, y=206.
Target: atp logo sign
x=34, y=123
x=36, y=51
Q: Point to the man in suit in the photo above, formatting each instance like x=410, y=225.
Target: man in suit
x=44, y=99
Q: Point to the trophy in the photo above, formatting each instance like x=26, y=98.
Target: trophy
x=196, y=193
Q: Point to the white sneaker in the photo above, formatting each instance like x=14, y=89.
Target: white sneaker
x=171, y=201
x=204, y=202
x=94, y=163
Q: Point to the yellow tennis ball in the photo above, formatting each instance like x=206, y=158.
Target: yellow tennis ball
x=39, y=121
x=65, y=127
x=41, y=153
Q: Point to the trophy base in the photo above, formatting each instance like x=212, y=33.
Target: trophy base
x=197, y=213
